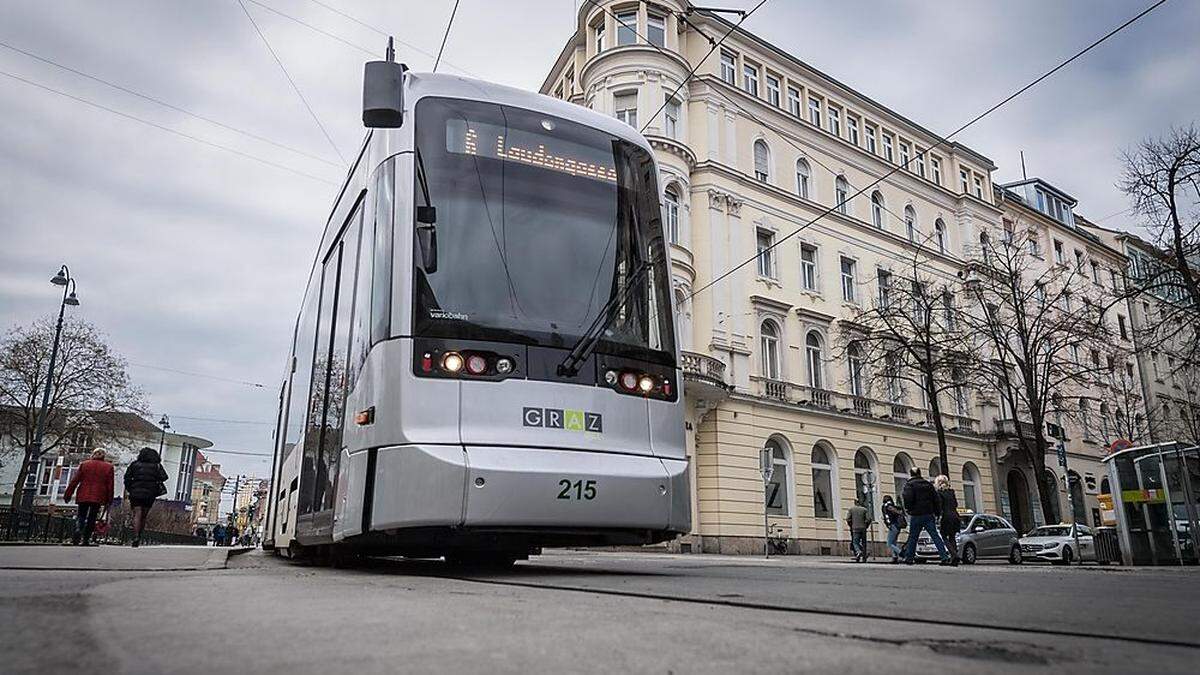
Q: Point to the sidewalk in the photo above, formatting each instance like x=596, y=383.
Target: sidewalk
x=115, y=558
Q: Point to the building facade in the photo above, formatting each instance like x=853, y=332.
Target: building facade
x=207, y=486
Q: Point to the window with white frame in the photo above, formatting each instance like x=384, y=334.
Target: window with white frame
x=728, y=67
x=766, y=253
x=858, y=380
x=625, y=106
x=978, y=180
x=656, y=29
x=773, y=90
x=671, y=118
x=877, y=210
x=815, y=360
x=822, y=479
x=793, y=101
x=920, y=163
x=939, y=235
x=835, y=121
x=884, y=281
x=672, y=200
x=750, y=78
x=887, y=148
x=852, y=128
x=935, y=170
x=768, y=335
x=970, y=487
x=626, y=27
x=598, y=37
x=964, y=179
x=814, y=111
x=910, y=223
x=1059, y=257
x=762, y=160
x=842, y=195
x=803, y=176
x=905, y=154
x=870, y=133
x=808, y=267
x=849, y=293
x=1010, y=231
x=779, y=487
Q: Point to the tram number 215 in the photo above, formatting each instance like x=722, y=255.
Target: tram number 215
x=579, y=489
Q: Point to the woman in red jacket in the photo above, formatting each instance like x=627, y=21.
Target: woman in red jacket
x=94, y=479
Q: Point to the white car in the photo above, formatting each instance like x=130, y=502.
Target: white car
x=1058, y=544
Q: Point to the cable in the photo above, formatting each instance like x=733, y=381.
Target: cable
x=940, y=141
x=217, y=419
x=368, y=26
x=313, y=28
x=445, y=36
x=156, y=125
x=257, y=385
x=340, y=13
x=292, y=82
x=164, y=104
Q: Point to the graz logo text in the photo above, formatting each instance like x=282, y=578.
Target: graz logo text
x=568, y=420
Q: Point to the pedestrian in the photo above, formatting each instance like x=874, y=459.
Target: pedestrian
x=949, y=523
x=94, y=482
x=859, y=519
x=922, y=506
x=231, y=535
x=202, y=534
x=893, y=518
x=145, y=481
x=219, y=535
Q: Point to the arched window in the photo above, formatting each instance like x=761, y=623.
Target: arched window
x=939, y=235
x=858, y=386
x=814, y=359
x=672, y=200
x=803, y=174
x=778, y=495
x=762, y=160
x=910, y=222
x=970, y=487
x=877, y=209
x=1055, y=505
x=822, y=478
x=900, y=467
x=842, y=195
x=865, y=479
x=1104, y=486
x=769, y=338
x=1078, y=505
x=935, y=468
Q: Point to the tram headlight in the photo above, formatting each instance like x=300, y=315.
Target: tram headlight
x=645, y=384
x=476, y=364
x=452, y=362
x=504, y=365
x=610, y=377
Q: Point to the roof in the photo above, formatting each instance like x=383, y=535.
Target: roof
x=1039, y=181
x=108, y=419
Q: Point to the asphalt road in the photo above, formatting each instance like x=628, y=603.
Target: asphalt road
x=592, y=612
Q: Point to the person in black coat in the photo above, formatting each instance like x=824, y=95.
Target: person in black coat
x=949, y=522
x=923, y=506
x=145, y=480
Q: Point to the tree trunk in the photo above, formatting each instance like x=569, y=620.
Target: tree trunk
x=935, y=408
x=1046, y=491
x=19, y=486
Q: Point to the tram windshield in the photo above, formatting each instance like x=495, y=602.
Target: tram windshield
x=539, y=222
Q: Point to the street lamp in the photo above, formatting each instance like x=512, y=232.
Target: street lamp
x=64, y=279
x=164, y=423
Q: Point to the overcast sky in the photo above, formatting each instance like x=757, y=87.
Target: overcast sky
x=194, y=258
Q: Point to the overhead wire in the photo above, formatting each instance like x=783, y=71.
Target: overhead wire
x=316, y=29
x=257, y=385
x=291, y=81
x=445, y=36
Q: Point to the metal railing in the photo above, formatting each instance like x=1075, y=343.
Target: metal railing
x=46, y=528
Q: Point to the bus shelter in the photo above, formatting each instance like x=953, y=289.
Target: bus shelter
x=1154, y=492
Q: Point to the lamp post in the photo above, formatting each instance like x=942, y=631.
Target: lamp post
x=64, y=279
x=164, y=423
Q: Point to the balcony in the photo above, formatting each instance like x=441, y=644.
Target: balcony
x=1008, y=429
x=703, y=377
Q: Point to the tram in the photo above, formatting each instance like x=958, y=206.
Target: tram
x=484, y=362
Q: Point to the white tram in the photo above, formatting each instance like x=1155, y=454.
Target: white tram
x=485, y=360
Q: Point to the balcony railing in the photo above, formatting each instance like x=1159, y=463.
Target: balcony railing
x=776, y=389
x=702, y=366
x=1008, y=428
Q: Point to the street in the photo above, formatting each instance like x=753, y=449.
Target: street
x=581, y=611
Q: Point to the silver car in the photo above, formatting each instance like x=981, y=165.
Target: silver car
x=981, y=535
x=1058, y=544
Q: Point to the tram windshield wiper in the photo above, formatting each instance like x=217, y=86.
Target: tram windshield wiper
x=588, y=342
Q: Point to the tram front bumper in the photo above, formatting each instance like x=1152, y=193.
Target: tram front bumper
x=500, y=487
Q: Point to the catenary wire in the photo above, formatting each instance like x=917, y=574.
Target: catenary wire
x=147, y=97
x=938, y=142
x=214, y=419
x=295, y=87
x=257, y=385
x=445, y=36
x=381, y=32
x=169, y=130
x=315, y=29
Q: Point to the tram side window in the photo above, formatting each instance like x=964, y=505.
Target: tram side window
x=381, y=293
x=311, y=478
x=360, y=334
x=306, y=335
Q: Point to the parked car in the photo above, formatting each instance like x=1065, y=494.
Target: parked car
x=982, y=535
x=1057, y=544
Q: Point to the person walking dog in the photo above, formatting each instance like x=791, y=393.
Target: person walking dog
x=949, y=522
x=94, y=482
x=893, y=518
x=145, y=481
x=923, y=507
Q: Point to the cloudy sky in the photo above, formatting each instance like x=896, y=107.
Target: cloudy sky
x=191, y=257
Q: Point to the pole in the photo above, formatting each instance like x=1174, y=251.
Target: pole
x=766, y=465
x=1062, y=463
x=35, y=450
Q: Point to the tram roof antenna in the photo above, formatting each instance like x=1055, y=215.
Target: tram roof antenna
x=391, y=50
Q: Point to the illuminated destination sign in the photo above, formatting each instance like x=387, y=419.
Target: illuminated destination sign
x=467, y=137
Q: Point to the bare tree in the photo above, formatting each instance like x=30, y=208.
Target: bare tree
x=88, y=378
x=1046, y=338
x=1161, y=177
x=911, y=334
x=1123, y=412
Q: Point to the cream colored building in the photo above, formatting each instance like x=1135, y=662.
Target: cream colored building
x=755, y=146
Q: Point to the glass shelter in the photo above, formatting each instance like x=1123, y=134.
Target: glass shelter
x=1153, y=494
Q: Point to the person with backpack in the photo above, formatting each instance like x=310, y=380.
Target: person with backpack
x=145, y=481
x=894, y=520
x=923, y=506
x=94, y=482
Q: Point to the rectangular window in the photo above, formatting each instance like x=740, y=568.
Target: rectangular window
x=773, y=90
x=852, y=128
x=935, y=168
x=1035, y=249
x=835, y=121
x=381, y=291
x=964, y=181
x=1121, y=326
x=750, y=79
x=626, y=28
x=599, y=38
x=979, y=186
x=766, y=262
x=905, y=154
x=870, y=131
x=808, y=267
x=1009, y=231
x=1059, y=257
x=814, y=111
x=656, y=29
x=625, y=107
x=728, y=69
x=848, y=293
x=1078, y=260
x=887, y=148
x=920, y=163
x=884, y=280
x=1096, y=273
x=793, y=101
x=671, y=118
